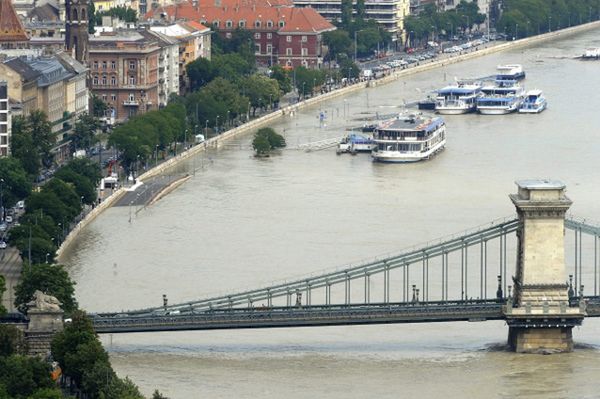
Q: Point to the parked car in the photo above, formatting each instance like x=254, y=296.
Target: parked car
x=8, y=219
x=3, y=245
x=3, y=226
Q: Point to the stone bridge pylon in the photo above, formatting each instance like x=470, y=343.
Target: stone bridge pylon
x=539, y=316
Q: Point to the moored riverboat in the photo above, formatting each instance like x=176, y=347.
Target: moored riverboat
x=510, y=72
x=457, y=99
x=534, y=102
x=408, y=138
x=502, y=98
x=591, y=54
x=355, y=142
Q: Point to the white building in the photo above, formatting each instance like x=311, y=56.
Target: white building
x=168, y=67
x=5, y=120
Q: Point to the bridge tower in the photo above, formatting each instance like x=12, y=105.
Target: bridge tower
x=540, y=317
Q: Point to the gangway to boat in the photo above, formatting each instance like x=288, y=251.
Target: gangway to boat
x=318, y=145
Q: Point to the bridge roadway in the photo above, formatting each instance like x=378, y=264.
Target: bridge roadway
x=307, y=316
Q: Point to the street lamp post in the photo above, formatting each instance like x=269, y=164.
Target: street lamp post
x=47, y=254
x=217, y=124
x=156, y=156
x=516, y=31
x=549, y=25
x=303, y=96
x=227, y=122
x=206, y=130
x=313, y=86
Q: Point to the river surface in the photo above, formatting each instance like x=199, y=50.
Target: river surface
x=243, y=222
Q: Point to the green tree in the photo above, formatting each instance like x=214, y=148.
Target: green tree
x=282, y=77
x=84, y=132
x=22, y=376
x=38, y=218
x=50, y=279
x=47, y=393
x=41, y=249
x=23, y=147
x=41, y=133
x=123, y=13
x=266, y=139
x=261, y=91
x=82, y=185
x=346, y=13
x=15, y=184
x=85, y=167
x=66, y=193
x=99, y=107
x=308, y=79
x=338, y=42
x=12, y=341
x=201, y=72
x=47, y=202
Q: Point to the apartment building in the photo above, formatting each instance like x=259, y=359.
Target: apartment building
x=5, y=120
x=124, y=69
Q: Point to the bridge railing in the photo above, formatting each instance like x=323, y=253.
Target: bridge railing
x=365, y=269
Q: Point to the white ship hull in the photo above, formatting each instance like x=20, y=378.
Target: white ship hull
x=406, y=157
x=453, y=110
x=495, y=110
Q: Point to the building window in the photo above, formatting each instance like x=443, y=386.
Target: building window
x=288, y=51
x=304, y=39
x=95, y=80
x=104, y=80
x=257, y=35
x=288, y=38
x=304, y=51
x=113, y=80
x=104, y=97
x=113, y=97
x=257, y=48
x=216, y=23
x=95, y=64
x=257, y=24
x=113, y=65
x=288, y=63
x=281, y=24
x=242, y=24
x=132, y=80
x=228, y=24
x=131, y=97
x=131, y=64
x=269, y=49
x=269, y=24
x=103, y=64
x=269, y=35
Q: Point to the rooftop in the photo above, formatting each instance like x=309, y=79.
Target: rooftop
x=411, y=123
x=11, y=29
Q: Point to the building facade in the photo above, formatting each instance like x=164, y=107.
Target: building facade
x=285, y=35
x=389, y=14
x=53, y=84
x=124, y=69
x=193, y=41
x=5, y=120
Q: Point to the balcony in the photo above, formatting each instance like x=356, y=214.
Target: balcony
x=131, y=103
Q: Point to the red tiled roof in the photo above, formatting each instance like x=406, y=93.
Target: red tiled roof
x=11, y=29
x=296, y=20
x=195, y=25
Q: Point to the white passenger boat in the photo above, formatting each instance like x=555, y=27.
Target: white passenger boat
x=408, y=138
x=502, y=98
x=510, y=72
x=534, y=102
x=355, y=142
x=457, y=99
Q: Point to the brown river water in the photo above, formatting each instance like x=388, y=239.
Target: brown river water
x=242, y=222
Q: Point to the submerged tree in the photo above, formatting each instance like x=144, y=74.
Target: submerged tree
x=267, y=139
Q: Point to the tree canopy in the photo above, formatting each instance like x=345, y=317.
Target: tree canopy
x=16, y=184
x=50, y=279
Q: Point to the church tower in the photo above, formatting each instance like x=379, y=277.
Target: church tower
x=76, y=35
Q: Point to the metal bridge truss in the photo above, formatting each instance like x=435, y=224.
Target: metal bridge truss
x=291, y=303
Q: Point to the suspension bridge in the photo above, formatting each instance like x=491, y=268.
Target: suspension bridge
x=465, y=277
